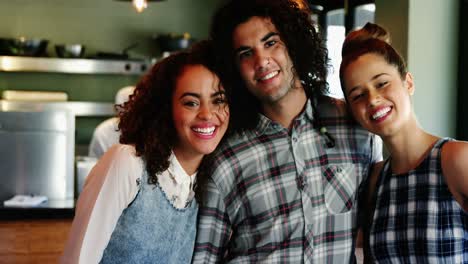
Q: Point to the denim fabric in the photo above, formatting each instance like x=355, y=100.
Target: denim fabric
x=152, y=230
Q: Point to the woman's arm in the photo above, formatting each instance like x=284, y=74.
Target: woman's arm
x=109, y=188
x=455, y=170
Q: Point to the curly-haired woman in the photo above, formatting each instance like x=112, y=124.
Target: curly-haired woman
x=138, y=205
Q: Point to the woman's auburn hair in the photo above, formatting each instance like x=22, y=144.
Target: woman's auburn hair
x=370, y=39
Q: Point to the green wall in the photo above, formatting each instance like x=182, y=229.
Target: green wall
x=101, y=25
x=104, y=25
x=433, y=60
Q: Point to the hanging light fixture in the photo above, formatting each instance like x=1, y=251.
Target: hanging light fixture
x=140, y=5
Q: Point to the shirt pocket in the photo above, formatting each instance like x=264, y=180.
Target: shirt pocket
x=339, y=187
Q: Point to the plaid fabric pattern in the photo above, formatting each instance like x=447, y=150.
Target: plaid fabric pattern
x=279, y=197
x=416, y=219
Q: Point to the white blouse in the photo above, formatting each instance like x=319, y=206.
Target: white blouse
x=109, y=188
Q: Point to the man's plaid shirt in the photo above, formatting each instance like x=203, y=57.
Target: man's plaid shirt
x=281, y=196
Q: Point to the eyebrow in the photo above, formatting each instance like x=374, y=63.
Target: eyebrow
x=265, y=38
x=216, y=94
x=373, y=78
x=189, y=94
x=269, y=35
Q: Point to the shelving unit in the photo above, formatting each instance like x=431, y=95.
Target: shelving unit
x=79, y=109
x=73, y=66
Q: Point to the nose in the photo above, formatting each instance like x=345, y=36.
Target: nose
x=261, y=60
x=374, y=98
x=205, y=112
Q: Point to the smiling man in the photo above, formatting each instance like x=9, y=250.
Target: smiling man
x=284, y=186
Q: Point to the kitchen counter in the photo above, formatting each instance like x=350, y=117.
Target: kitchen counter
x=35, y=234
x=64, y=209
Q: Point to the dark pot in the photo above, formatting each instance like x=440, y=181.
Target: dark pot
x=23, y=47
x=171, y=42
x=116, y=56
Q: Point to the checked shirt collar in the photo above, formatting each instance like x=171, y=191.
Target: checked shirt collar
x=268, y=126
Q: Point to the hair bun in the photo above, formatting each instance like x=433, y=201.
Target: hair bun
x=357, y=38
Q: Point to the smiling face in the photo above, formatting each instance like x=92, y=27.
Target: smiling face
x=200, y=112
x=378, y=97
x=263, y=59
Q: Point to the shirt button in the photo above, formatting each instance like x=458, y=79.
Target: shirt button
x=294, y=139
x=302, y=184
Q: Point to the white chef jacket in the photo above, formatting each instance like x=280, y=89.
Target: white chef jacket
x=104, y=136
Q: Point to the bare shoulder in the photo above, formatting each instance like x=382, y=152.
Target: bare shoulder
x=455, y=156
x=455, y=170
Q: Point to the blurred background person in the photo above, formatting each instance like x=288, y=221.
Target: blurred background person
x=106, y=133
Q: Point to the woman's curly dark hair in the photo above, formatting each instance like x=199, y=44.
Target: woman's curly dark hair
x=146, y=118
x=296, y=29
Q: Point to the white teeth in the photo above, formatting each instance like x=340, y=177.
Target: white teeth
x=269, y=76
x=381, y=113
x=205, y=130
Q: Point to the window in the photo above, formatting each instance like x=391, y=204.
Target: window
x=335, y=23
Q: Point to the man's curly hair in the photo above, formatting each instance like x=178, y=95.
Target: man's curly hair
x=146, y=118
x=296, y=29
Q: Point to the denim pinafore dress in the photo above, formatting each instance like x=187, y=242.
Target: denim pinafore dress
x=152, y=230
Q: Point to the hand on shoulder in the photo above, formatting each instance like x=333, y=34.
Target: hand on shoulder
x=455, y=170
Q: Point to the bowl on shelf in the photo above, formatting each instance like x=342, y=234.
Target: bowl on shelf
x=33, y=47
x=70, y=50
x=173, y=42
